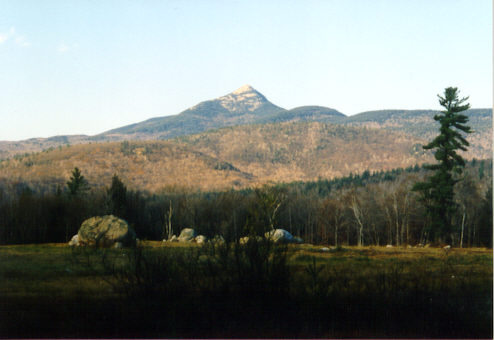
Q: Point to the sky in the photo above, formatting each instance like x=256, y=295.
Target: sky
x=87, y=66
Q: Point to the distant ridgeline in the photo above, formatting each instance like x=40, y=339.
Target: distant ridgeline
x=248, y=106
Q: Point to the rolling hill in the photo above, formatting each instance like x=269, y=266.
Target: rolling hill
x=232, y=157
x=421, y=124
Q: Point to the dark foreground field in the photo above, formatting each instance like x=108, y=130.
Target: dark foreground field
x=256, y=290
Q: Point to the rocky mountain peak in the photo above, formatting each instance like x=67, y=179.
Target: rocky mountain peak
x=244, y=89
x=245, y=98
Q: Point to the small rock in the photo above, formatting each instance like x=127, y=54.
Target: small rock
x=447, y=247
x=325, y=249
x=201, y=239
x=389, y=246
x=298, y=240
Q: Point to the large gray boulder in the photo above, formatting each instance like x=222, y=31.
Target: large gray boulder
x=106, y=231
x=280, y=236
x=187, y=235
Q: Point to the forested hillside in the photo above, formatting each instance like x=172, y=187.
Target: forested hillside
x=235, y=157
x=421, y=124
x=307, y=151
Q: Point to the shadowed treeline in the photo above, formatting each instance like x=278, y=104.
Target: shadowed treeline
x=368, y=209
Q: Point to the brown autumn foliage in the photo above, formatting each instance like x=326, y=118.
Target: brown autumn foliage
x=235, y=157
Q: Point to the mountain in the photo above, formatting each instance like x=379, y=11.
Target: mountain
x=243, y=106
x=421, y=124
x=304, y=114
x=231, y=157
x=248, y=106
x=285, y=152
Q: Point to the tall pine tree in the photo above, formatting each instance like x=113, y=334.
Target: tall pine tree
x=438, y=190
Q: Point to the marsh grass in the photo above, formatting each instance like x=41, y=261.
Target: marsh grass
x=256, y=290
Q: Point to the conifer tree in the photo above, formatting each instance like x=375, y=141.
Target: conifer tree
x=118, y=197
x=77, y=183
x=437, y=190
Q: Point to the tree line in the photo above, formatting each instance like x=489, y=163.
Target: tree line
x=440, y=203
x=366, y=209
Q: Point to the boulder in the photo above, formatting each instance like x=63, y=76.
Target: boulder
x=280, y=236
x=187, y=235
x=74, y=241
x=105, y=231
x=174, y=238
x=201, y=239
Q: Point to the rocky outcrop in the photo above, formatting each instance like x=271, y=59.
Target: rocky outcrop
x=106, y=231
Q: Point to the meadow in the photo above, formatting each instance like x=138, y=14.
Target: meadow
x=255, y=290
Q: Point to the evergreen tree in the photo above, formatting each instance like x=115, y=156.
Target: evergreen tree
x=118, y=197
x=437, y=190
x=77, y=184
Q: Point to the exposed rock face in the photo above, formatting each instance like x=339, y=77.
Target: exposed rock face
x=243, y=99
x=106, y=231
x=187, y=235
x=280, y=236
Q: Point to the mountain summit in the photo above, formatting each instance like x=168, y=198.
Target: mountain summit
x=242, y=106
x=245, y=99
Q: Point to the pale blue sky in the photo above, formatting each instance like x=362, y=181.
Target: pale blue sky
x=70, y=67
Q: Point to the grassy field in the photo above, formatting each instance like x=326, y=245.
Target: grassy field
x=51, y=290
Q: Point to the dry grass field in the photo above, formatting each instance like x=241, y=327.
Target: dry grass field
x=51, y=290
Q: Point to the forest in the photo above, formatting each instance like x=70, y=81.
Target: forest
x=378, y=208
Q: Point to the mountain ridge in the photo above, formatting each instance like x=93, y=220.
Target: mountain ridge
x=245, y=106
